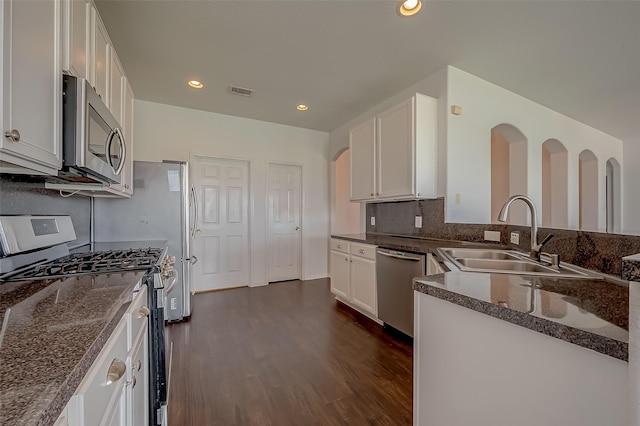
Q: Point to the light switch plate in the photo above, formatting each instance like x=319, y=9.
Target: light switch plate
x=515, y=238
x=418, y=221
x=373, y=221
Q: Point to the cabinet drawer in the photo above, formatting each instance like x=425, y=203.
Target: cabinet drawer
x=363, y=250
x=95, y=394
x=340, y=245
x=139, y=315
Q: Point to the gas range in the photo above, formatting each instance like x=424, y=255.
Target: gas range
x=96, y=262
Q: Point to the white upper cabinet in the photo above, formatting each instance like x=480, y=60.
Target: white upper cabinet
x=402, y=160
x=76, y=16
x=100, y=61
x=116, y=88
x=31, y=86
x=362, y=148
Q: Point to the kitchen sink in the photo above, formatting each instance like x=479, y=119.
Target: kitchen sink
x=482, y=254
x=510, y=262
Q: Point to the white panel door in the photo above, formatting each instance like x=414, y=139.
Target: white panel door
x=221, y=243
x=284, y=189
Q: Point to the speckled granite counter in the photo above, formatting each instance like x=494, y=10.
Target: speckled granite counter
x=55, y=330
x=52, y=332
x=631, y=268
x=590, y=313
x=417, y=245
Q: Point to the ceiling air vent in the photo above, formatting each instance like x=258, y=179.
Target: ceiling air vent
x=235, y=90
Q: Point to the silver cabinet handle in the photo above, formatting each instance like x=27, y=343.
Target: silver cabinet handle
x=12, y=135
x=339, y=246
x=143, y=312
x=193, y=260
x=137, y=365
x=361, y=251
x=297, y=228
x=116, y=371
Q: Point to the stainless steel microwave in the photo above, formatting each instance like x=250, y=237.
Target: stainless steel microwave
x=94, y=148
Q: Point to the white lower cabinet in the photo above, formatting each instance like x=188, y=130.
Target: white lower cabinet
x=353, y=275
x=114, y=392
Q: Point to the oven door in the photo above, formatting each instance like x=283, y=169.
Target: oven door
x=158, y=371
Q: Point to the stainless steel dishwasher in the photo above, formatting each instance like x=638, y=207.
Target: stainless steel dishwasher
x=395, y=271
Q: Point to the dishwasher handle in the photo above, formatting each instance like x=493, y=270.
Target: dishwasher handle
x=400, y=256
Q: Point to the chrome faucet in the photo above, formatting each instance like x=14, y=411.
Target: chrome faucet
x=535, y=247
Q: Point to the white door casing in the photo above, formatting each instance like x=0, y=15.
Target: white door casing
x=221, y=243
x=284, y=196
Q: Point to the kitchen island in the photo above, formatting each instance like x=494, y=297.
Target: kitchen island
x=503, y=349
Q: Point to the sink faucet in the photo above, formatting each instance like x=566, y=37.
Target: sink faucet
x=535, y=247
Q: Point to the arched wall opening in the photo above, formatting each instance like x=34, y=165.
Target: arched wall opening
x=347, y=215
x=508, y=171
x=613, y=196
x=555, y=178
x=588, y=191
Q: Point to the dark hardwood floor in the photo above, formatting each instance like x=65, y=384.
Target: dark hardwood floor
x=286, y=354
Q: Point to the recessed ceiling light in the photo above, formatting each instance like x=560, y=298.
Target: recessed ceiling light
x=302, y=107
x=196, y=84
x=409, y=7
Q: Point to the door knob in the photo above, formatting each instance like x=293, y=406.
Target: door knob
x=12, y=135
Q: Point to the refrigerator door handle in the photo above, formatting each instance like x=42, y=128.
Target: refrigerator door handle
x=194, y=229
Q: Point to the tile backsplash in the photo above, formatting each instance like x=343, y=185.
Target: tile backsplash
x=592, y=250
x=23, y=195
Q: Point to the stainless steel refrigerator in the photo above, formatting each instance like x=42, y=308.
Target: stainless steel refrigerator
x=161, y=208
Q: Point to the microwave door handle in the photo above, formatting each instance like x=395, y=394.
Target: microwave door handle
x=107, y=149
x=123, y=145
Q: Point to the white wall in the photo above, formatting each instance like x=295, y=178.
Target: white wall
x=485, y=105
x=167, y=132
x=346, y=215
x=630, y=192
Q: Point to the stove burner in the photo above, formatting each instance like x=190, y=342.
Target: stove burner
x=99, y=262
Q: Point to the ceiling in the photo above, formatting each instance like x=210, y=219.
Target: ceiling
x=342, y=57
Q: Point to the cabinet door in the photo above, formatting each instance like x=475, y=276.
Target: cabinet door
x=117, y=416
x=116, y=87
x=127, y=125
x=363, y=284
x=76, y=20
x=138, y=389
x=100, y=47
x=362, y=146
x=31, y=84
x=340, y=274
x=396, y=149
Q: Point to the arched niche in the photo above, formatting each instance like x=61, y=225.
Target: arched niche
x=588, y=191
x=346, y=215
x=508, y=171
x=555, y=177
x=614, y=206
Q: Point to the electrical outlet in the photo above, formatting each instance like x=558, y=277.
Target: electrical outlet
x=418, y=221
x=492, y=235
x=515, y=238
x=373, y=221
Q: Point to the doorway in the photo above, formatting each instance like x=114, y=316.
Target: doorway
x=284, y=228
x=221, y=241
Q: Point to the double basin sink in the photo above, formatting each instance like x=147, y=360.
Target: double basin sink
x=510, y=262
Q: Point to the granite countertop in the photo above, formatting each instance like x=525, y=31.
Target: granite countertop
x=590, y=313
x=52, y=331
x=417, y=245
